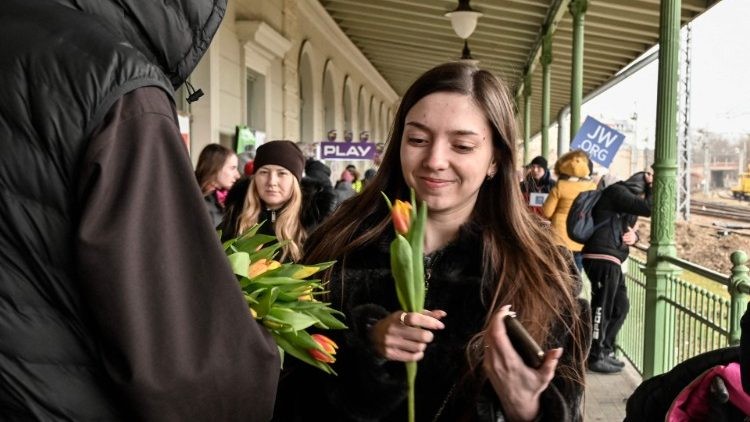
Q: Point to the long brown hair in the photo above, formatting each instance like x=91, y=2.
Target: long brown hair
x=210, y=162
x=523, y=267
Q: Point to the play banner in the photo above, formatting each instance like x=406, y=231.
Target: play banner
x=347, y=150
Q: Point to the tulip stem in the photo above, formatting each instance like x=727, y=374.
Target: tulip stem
x=411, y=376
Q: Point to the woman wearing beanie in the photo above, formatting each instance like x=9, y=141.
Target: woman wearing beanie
x=271, y=196
x=216, y=173
x=537, y=184
x=572, y=170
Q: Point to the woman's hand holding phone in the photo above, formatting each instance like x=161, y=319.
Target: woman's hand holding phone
x=518, y=385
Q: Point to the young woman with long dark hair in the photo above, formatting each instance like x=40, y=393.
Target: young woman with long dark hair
x=452, y=141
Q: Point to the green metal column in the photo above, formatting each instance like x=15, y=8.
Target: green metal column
x=739, y=286
x=526, y=118
x=546, y=60
x=578, y=10
x=658, y=337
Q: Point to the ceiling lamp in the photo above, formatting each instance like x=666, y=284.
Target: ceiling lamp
x=463, y=19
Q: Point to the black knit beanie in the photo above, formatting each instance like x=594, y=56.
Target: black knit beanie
x=540, y=161
x=281, y=153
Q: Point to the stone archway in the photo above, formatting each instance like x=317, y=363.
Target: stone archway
x=307, y=96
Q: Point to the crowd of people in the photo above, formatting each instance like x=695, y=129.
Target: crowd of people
x=117, y=301
x=601, y=256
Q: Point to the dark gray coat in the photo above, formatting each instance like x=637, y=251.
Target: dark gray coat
x=116, y=299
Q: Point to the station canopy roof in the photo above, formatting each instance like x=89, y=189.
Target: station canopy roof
x=403, y=38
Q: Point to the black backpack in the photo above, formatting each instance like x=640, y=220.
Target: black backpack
x=580, y=222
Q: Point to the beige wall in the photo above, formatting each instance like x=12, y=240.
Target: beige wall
x=273, y=38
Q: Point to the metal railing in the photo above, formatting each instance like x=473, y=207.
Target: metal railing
x=630, y=338
x=696, y=320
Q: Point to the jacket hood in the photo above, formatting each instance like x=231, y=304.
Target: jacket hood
x=174, y=35
x=317, y=171
x=637, y=183
x=573, y=164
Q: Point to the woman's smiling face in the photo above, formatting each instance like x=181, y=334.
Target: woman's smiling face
x=447, y=152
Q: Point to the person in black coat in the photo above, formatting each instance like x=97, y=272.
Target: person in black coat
x=452, y=142
x=615, y=213
x=317, y=194
x=117, y=301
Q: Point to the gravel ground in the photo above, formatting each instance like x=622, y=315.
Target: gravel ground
x=701, y=242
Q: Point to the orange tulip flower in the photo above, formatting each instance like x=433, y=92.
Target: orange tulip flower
x=328, y=345
x=260, y=266
x=401, y=216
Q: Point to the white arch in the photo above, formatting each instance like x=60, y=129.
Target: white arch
x=310, y=94
x=329, y=101
x=382, y=122
x=363, y=112
x=349, y=107
x=374, y=119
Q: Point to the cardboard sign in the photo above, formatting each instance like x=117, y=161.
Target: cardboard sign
x=347, y=150
x=537, y=199
x=600, y=141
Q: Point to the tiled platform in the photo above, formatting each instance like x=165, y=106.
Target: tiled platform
x=606, y=394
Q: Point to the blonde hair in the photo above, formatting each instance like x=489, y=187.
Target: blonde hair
x=287, y=226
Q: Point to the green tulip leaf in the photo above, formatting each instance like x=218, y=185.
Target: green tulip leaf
x=240, y=261
x=297, y=320
x=266, y=301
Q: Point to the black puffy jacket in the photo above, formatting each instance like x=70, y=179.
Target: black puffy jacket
x=64, y=63
x=616, y=211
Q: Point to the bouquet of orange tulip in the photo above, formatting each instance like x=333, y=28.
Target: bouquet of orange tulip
x=407, y=255
x=283, y=300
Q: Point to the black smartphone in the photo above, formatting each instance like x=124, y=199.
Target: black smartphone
x=530, y=352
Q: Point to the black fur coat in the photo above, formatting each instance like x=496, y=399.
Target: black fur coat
x=368, y=388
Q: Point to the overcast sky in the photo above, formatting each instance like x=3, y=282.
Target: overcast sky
x=720, y=94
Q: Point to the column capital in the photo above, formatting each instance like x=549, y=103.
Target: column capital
x=578, y=7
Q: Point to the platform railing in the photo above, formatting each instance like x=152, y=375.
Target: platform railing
x=696, y=319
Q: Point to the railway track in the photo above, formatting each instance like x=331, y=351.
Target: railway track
x=722, y=210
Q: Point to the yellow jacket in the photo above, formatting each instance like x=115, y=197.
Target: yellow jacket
x=558, y=204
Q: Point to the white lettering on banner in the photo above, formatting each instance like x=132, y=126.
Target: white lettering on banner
x=351, y=151
x=603, y=136
x=594, y=150
x=363, y=151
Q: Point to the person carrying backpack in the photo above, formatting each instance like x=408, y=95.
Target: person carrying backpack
x=572, y=169
x=603, y=254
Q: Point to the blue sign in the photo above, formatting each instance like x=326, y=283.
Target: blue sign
x=600, y=141
x=347, y=150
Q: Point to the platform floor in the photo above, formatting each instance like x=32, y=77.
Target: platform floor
x=606, y=394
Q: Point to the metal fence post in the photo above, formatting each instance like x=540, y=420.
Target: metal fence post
x=739, y=287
